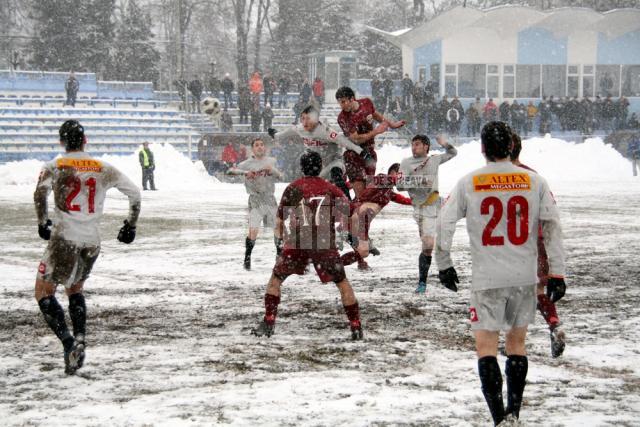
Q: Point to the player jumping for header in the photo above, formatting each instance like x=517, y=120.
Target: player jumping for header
x=307, y=214
x=356, y=121
x=321, y=138
x=80, y=185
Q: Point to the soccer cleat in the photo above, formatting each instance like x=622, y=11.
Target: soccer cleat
x=263, y=329
x=363, y=266
x=509, y=421
x=72, y=357
x=356, y=333
x=80, y=341
x=422, y=288
x=247, y=263
x=557, y=342
x=372, y=249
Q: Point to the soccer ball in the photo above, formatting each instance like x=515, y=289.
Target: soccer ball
x=211, y=106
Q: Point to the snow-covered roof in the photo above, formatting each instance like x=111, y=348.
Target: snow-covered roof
x=510, y=19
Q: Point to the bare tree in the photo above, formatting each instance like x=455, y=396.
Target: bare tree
x=242, y=11
x=263, y=17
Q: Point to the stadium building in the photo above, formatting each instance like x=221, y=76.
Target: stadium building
x=520, y=52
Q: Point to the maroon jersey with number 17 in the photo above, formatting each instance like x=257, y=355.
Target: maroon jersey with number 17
x=309, y=208
x=360, y=121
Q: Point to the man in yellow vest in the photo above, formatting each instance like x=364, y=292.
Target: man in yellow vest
x=148, y=166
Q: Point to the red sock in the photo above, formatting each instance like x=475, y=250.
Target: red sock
x=548, y=310
x=350, y=257
x=271, y=308
x=353, y=314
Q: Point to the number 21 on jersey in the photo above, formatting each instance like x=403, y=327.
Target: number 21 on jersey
x=75, y=185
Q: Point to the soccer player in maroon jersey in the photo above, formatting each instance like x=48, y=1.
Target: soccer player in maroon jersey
x=307, y=213
x=372, y=200
x=546, y=306
x=356, y=120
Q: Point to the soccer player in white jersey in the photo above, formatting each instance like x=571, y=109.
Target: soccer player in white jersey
x=260, y=175
x=79, y=183
x=419, y=176
x=503, y=205
x=324, y=140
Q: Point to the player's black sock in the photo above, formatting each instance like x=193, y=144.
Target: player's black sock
x=424, y=262
x=337, y=179
x=54, y=316
x=516, y=372
x=491, y=380
x=248, y=247
x=78, y=313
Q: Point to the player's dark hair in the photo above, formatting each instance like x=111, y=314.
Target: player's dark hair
x=345, y=92
x=309, y=109
x=72, y=135
x=253, y=141
x=394, y=168
x=496, y=140
x=422, y=138
x=517, y=146
x=310, y=163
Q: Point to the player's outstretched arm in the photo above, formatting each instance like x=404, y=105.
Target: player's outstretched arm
x=359, y=138
x=450, y=150
x=393, y=124
x=400, y=199
x=341, y=140
x=283, y=135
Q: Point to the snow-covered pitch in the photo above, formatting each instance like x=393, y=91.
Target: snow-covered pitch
x=169, y=315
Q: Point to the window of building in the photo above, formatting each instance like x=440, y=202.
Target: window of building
x=631, y=80
x=471, y=80
x=528, y=83
x=508, y=81
x=451, y=80
x=493, y=81
x=554, y=80
x=573, y=81
x=588, y=81
x=608, y=80
x=422, y=74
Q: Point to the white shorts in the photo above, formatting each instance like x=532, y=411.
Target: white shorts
x=66, y=262
x=502, y=309
x=426, y=217
x=261, y=211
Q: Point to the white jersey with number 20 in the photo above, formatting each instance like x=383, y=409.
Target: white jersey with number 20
x=503, y=205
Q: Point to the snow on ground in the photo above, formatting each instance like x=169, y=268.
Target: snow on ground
x=170, y=314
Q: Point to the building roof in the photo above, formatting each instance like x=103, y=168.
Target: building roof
x=510, y=19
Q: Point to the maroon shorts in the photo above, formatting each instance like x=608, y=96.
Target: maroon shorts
x=357, y=168
x=327, y=263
